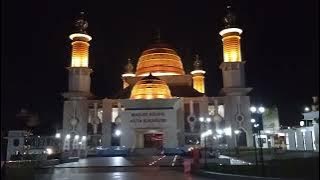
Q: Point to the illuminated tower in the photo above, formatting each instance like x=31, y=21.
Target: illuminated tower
x=76, y=110
x=237, y=102
x=198, y=75
x=128, y=73
x=79, y=71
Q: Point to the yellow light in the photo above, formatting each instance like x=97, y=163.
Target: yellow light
x=150, y=89
x=231, y=48
x=159, y=62
x=198, y=83
x=80, y=50
x=159, y=74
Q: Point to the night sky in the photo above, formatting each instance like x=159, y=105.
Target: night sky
x=279, y=44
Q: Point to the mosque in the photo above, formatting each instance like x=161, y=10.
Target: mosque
x=160, y=105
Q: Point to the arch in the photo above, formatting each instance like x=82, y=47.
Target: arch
x=242, y=138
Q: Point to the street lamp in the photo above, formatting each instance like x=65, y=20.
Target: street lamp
x=252, y=120
x=205, y=135
x=58, y=136
x=301, y=123
x=227, y=131
x=306, y=109
x=261, y=109
x=257, y=112
x=219, y=131
x=76, y=137
x=201, y=119
x=254, y=141
x=253, y=109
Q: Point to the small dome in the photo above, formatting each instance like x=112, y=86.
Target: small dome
x=159, y=59
x=150, y=87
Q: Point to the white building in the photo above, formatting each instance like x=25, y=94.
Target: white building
x=305, y=137
x=160, y=104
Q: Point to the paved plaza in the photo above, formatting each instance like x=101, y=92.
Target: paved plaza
x=147, y=174
x=118, y=168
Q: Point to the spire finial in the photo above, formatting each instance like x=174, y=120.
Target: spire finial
x=158, y=35
x=81, y=24
x=197, y=63
x=230, y=19
x=129, y=67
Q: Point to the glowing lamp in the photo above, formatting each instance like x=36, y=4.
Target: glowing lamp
x=301, y=123
x=228, y=131
x=49, y=151
x=58, y=135
x=261, y=109
x=117, y=132
x=201, y=119
x=68, y=136
x=76, y=137
x=253, y=109
x=219, y=131
x=306, y=109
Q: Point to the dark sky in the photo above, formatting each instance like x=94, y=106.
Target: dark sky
x=279, y=44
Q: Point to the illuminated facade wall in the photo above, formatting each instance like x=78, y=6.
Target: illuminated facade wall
x=231, y=44
x=80, y=50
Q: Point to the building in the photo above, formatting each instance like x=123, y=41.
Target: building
x=160, y=105
x=305, y=137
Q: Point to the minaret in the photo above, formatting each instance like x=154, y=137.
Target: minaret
x=232, y=66
x=79, y=71
x=76, y=108
x=198, y=75
x=129, y=72
x=237, y=103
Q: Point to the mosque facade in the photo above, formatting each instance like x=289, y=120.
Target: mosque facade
x=160, y=105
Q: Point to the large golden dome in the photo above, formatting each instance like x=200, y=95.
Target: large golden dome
x=150, y=87
x=160, y=60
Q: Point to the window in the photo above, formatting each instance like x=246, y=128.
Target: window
x=16, y=142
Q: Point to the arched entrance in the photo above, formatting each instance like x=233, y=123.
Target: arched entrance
x=242, y=138
x=153, y=140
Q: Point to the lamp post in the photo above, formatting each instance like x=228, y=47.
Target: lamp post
x=205, y=135
x=254, y=142
x=257, y=112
